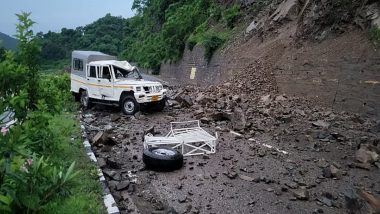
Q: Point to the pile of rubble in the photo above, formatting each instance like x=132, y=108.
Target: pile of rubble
x=294, y=155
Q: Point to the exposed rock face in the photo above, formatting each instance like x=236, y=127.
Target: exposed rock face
x=288, y=9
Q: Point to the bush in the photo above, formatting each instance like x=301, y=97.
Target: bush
x=211, y=42
x=374, y=35
x=29, y=182
x=231, y=15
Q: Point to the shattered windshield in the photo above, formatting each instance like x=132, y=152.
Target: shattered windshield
x=121, y=73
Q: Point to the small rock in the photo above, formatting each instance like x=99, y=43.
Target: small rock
x=322, y=163
x=115, y=117
x=231, y=175
x=292, y=185
x=122, y=185
x=149, y=130
x=101, y=162
x=182, y=199
x=112, y=163
x=321, y=124
x=366, y=154
x=246, y=178
x=301, y=194
x=266, y=99
x=280, y=98
x=112, y=174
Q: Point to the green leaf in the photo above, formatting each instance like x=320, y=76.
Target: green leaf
x=5, y=200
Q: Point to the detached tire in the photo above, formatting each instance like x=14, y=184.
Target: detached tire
x=129, y=105
x=162, y=159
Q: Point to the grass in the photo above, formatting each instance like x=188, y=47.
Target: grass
x=86, y=192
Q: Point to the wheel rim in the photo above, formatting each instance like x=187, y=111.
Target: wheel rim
x=129, y=106
x=84, y=99
x=163, y=152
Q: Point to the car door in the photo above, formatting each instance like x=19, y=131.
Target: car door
x=92, y=81
x=106, y=81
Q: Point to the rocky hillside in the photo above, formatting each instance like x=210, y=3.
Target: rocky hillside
x=325, y=51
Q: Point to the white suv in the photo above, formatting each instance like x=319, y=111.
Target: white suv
x=100, y=78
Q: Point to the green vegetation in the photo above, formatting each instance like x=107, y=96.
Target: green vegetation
x=105, y=34
x=374, y=35
x=230, y=15
x=43, y=168
x=158, y=33
x=210, y=39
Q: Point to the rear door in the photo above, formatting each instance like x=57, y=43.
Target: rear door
x=106, y=81
x=92, y=81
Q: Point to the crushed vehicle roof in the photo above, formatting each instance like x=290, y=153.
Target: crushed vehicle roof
x=121, y=64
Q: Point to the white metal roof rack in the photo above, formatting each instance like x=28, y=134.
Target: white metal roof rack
x=188, y=137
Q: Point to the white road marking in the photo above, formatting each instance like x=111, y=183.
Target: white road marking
x=268, y=146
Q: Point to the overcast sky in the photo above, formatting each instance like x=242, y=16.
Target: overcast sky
x=56, y=14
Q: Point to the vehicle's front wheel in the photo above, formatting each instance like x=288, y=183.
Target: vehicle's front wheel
x=129, y=105
x=85, y=100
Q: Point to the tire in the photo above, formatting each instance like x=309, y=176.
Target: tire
x=162, y=159
x=85, y=101
x=129, y=105
x=76, y=97
x=160, y=105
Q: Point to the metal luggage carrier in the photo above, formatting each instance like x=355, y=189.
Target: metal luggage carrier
x=189, y=138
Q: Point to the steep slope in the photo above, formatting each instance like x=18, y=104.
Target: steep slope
x=8, y=42
x=306, y=49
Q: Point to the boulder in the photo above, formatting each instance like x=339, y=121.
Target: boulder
x=238, y=119
x=203, y=99
x=184, y=100
x=366, y=154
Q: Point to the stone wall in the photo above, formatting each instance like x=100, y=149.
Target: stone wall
x=205, y=72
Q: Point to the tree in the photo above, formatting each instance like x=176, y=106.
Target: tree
x=28, y=54
x=2, y=54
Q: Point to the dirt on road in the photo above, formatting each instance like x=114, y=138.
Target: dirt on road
x=285, y=154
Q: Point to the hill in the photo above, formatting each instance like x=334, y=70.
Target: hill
x=8, y=42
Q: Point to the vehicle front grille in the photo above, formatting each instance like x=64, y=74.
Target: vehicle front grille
x=152, y=89
x=147, y=89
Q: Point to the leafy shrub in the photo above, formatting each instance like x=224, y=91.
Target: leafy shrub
x=374, y=35
x=39, y=182
x=211, y=42
x=53, y=90
x=231, y=14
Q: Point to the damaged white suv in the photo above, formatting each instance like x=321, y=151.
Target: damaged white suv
x=99, y=78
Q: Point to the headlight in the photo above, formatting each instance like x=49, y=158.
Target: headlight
x=138, y=89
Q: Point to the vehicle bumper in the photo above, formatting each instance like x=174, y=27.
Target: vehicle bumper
x=148, y=98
